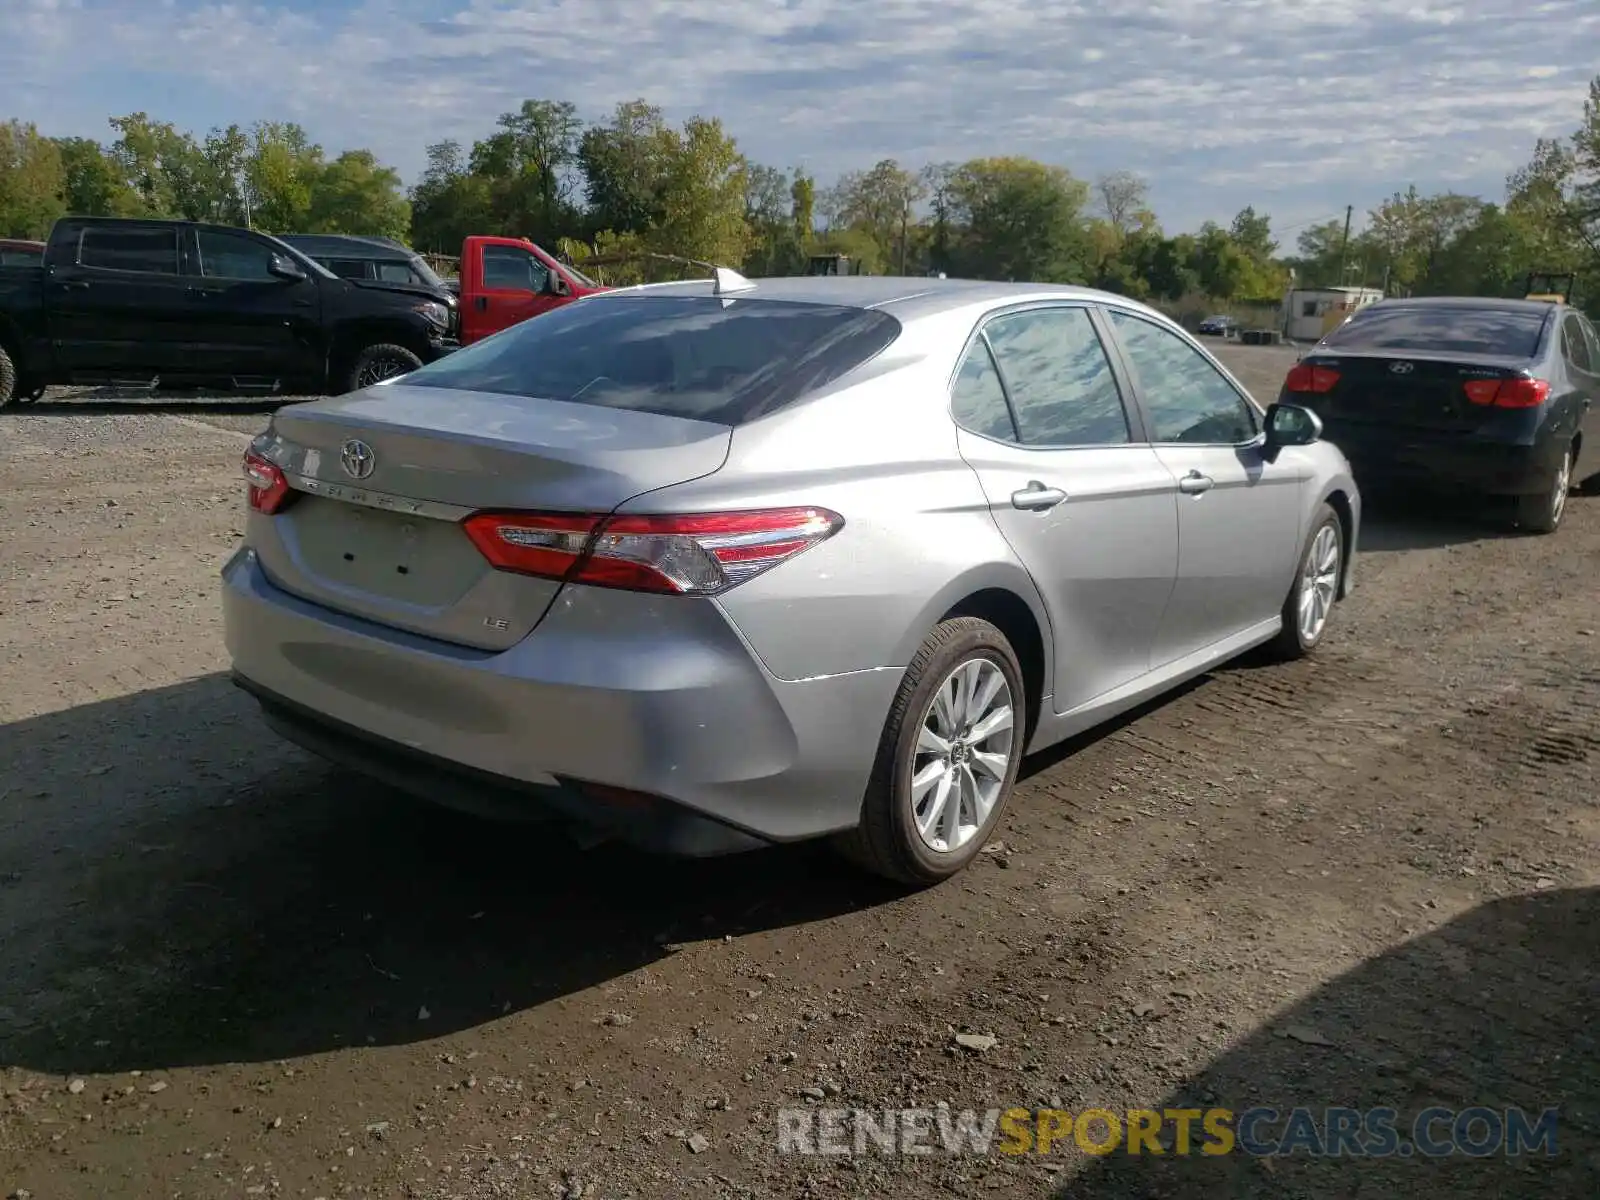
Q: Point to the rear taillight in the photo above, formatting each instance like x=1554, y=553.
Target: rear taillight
x=1520, y=392
x=700, y=554
x=269, y=490
x=1303, y=377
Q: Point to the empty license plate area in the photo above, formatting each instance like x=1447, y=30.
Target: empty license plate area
x=414, y=559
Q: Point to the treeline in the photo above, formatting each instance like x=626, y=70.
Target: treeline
x=634, y=184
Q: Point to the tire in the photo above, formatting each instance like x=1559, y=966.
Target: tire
x=8, y=379
x=888, y=841
x=1316, y=570
x=1542, y=512
x=382, y=361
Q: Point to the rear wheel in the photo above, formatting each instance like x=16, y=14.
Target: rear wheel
x=1542, y=512
x=948, y=758
x=377, y=363
x=1316, y=586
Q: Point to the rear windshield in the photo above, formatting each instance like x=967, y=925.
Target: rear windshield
x=1513, y=333
x=678, y=356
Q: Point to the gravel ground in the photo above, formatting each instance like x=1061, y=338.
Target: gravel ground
x=228, y=970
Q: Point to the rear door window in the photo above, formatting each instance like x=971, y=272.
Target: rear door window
x=151, y=250
x=1511, y=333
x=1574, y=346
x=977, y=400
x=1058, y=377
x=698, y=357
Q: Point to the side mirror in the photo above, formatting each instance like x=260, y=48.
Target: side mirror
x=554, y=285
x=1290, y=425
x=284, y=267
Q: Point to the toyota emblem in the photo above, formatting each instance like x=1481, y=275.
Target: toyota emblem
x=1402, y=368
x=357, y=459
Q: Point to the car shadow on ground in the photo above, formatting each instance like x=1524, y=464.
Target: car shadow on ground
x=223, y=897
x=1396, y=523
x=180, y=887
x=1498, y=1009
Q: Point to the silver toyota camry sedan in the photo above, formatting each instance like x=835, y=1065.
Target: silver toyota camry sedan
x=712, y=565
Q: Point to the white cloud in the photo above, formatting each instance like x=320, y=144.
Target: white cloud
x=1294, y=106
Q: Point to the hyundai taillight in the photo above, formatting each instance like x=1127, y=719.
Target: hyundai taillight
x=269, y=489
x=699, y=554
x=1519, y=392
x=1305, y=377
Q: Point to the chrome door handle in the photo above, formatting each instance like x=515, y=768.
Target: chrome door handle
x=1194, y=483
x=1036, y=497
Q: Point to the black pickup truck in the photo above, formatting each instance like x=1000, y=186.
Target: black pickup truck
x=177, y=304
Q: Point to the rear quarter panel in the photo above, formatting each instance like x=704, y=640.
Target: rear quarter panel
x=918, y=536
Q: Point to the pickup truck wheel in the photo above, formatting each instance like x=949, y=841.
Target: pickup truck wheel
x=377, y=363
x=8, y=379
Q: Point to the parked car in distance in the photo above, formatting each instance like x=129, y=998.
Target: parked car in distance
x=1219, y=326
x=20, y=252
x=711, y=565
x=505, y=281
x=1481, y=397
x=179, y=304
x=374, y=262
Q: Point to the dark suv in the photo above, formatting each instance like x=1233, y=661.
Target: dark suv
x=178, y=304
x=371, y=260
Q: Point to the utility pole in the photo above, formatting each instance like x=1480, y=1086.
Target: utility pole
x=1344, y=247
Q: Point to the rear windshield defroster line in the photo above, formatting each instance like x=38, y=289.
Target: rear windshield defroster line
x=1502, y=332
x=698, y=357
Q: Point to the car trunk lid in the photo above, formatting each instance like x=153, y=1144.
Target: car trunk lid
x=1403, y=390
x=386, y=476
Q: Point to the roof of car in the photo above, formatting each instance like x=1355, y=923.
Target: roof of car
x=1503, y=303
x=346, y=244
x=891, y=292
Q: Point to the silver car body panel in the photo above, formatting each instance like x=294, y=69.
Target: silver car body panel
x=762, y=707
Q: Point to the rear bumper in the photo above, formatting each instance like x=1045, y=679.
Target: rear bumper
x=1448, y=463
x=669, y=706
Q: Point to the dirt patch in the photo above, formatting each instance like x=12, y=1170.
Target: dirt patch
x=1366, y=879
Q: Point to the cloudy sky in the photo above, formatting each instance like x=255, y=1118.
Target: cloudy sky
x=1296, y=106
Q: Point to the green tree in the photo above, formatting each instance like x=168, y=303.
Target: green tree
x=775, y=249
x=1252, y=233
x=32, y=181
x=1220, y=265
x=357, y=194
x=165, y=166
x=281, y=174
x=803, y=207
x=621, y=163
x=449, y=202
x=527, y=162
x=877, y=205
x=93, y=184
x=1016, y=218
x=703, y=195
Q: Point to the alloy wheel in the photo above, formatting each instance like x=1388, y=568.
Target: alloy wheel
x=965, y=742
x=1319, y=580
x=378, y=370
x=1563, y=485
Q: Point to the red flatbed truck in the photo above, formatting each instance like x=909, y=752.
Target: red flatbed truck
x=504, y=281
